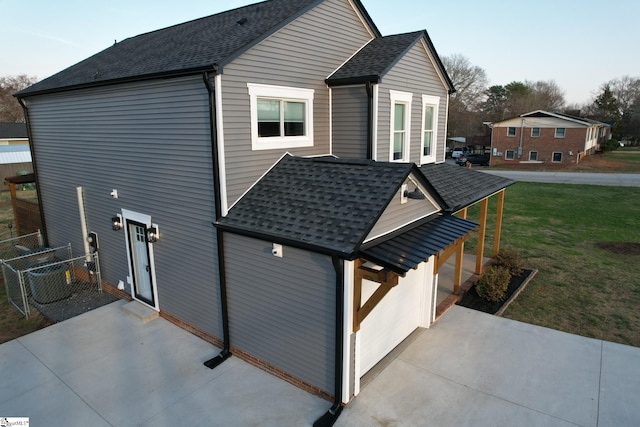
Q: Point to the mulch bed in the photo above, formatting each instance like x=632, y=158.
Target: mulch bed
x=472, y=300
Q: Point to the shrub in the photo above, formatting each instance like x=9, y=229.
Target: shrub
x=509, y=259
x=493, y=284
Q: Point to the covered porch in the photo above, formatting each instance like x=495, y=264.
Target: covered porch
x=446, y=297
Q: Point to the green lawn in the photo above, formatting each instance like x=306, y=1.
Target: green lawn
x=629, y=158
x=580, y=288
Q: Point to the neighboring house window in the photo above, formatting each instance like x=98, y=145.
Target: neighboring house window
x=533, y=156
x=401, y=125
x=535, y=132
x=281, y=117
x=509, y=155
x=511, y=131
x=557, y=157
x=560, y=132
x=429, y=128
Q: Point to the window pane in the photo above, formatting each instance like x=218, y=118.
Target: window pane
x=428, y=118
x=511, y=131
x=268, y=110
x=533, y=155
x=294, y=118
x=398, y=118
x=268, y=117
x=426, y=143
x=560, y=132
x=398, y=145
x=535, y=132
x=510, y=155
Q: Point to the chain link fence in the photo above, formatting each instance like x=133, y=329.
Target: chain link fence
x=52, y=281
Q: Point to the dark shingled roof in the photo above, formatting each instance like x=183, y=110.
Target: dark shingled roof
x=203, y=44
x=460, y=187
x=325, y=204
x=375, y=59
x=13, y=130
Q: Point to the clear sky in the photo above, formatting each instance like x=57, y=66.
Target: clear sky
x=579, y=44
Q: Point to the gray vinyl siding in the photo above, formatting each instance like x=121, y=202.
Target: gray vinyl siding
x=282, y=310
x=151, y=142
x=350, y=122
x=397, y=214
x=414, y=73
x=300, y=55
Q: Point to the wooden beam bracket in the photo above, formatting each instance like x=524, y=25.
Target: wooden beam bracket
x=387, y=280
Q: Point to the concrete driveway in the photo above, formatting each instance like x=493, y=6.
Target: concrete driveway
x=474, y=369
x=106, y=368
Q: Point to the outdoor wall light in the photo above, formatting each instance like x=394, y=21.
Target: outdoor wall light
x=153, y=234
x=415, y=194
x=116, y=223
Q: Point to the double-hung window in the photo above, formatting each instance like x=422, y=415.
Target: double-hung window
x=400, y=125
x=511, y=131
x=281, y=117
x=429, y=128
x=535, y=132
x=560, y=132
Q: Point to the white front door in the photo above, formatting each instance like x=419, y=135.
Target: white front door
x=140, y=256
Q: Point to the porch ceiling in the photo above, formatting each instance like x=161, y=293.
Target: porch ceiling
x=407, y=250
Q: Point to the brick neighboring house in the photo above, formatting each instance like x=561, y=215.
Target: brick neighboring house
x=545, y=137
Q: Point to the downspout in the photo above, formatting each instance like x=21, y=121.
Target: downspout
x=369, y=87
x=34, y=165
x=330, y=417
x=225, y=353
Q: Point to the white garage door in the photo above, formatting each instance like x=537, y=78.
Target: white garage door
x=398, y=314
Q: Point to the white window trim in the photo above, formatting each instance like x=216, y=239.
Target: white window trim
x=283, y=93
x=514, y=133
x=533, y=160
x=556, y=133
x=405, y=98
x=539, y=132
x=553, y=155
x=430, y=101
x=506, y=155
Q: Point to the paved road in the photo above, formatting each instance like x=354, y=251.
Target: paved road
x=615, y=179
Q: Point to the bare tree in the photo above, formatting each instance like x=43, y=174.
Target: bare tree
x=470, y=82
x=10, y=109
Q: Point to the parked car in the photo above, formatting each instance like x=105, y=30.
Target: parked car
x=474, y=159
x=456, y=153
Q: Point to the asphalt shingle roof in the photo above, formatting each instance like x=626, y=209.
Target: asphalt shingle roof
x=13, y=130
x=325, y=203
x=460, y=187
x=195, y=45
x=375, y=59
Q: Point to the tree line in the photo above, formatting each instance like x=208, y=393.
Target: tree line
x=616, y=102
x=10, y=109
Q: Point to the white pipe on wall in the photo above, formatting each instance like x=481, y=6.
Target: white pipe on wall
x=83, y=220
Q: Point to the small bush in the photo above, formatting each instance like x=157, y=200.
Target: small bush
x=493, y=284
x=509, y=259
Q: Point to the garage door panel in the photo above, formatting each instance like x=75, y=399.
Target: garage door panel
x=396, y=316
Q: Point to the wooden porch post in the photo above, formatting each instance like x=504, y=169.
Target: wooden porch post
x=463, y=213
x=498, y=231
x=457, y=276
x=481, y=234
x=12, y=190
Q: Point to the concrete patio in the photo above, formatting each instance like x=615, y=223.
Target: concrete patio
x=107, y=368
